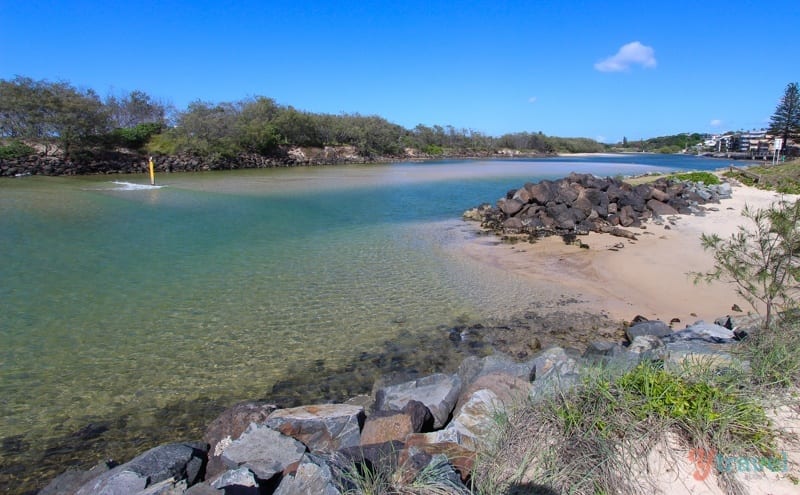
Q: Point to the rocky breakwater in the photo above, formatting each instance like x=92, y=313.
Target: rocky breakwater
x=426, y=431
x=582, y=203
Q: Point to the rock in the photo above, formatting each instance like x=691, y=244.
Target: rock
x=508, y=389
x=602, y=351
x=386, y=426
x=510, y=206
x=203, y=489
x=263, y=451
x=376, y=454
x=513, y=225
x=463, y=460
x=542, y=193
x=618, y=232
x=116, y=483
x=627, y=216
x=522, y=195
x=661, y=209
x=322, y=428
x=446, y=482
x=228, y=426
x=240, y=480
x=708, y=332
x=656, y=327
x=725, y=190
x=475, y=420
x=554, y=359
x=474, y=367
x=180, y=461
x=438, y=392
x=645, y=345
x=68, y=482
x=313, y=476
x=659, y=195
x=678, y=354
x=166, y=487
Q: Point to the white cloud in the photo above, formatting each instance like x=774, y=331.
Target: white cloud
x=715, y=123
x=532, y=99
x=633, y=53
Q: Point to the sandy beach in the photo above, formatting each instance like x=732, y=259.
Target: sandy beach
x=625, y=278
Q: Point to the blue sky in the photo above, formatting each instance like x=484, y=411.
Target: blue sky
x=596, y=69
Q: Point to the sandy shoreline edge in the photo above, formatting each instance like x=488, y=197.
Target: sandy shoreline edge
x=649, y=276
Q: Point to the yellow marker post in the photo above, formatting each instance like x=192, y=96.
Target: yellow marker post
x=152, y=173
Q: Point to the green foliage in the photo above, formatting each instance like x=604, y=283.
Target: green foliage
x=596, y=437
x=783, y=178
x=15, y=149
x=44, y=111
x=164, y=144
x=134, y=109
x=135, y=137
x=774, y=355
x=665, y=144
x=761, y=261
x=785, y=122
x=433, y=149
x=49, y=113
x=706, y=178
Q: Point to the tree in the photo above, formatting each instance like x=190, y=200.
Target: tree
x=134, y=109
x=785, y=122
x=45, y=111
x=763, y=262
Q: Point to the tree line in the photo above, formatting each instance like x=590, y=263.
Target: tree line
x=58, y=118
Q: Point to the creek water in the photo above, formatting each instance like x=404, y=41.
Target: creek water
x=128, y=308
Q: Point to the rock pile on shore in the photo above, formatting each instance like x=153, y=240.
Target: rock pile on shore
x=434, y=424
x=583, y=203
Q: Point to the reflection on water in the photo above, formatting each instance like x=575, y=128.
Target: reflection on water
x=120, y=299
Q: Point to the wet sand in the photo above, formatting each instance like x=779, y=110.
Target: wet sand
x=648, y=277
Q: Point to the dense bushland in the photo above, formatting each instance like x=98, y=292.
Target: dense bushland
x=60, y=119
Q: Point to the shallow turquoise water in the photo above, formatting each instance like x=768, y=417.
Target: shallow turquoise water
x=116, y=298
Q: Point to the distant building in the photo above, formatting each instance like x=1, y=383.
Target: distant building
x=752, y=142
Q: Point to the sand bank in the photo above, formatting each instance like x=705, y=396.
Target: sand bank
x=649, y=276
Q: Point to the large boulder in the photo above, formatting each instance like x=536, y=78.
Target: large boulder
x=702, y=331
x=68, y=482
x=263, y=451
x=472, y=426
x=240, y=481
x=228, y=426
x=313, y=476
x=507, y=389
x=542, y=193
x=522, y=195
x=653, y=327
x=438, y=392
x=510, y=206
x=386, y=426
x=323, y=427
x=474, y=367
x=177, y=461
x=661, y=209
x=461, y=458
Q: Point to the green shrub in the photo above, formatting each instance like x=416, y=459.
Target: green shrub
x=15, y=149
x=706, y=178
x=433, y=149
x=136, y=137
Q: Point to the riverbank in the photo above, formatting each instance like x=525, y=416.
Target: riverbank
x=128, y=162
x=649, y=275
